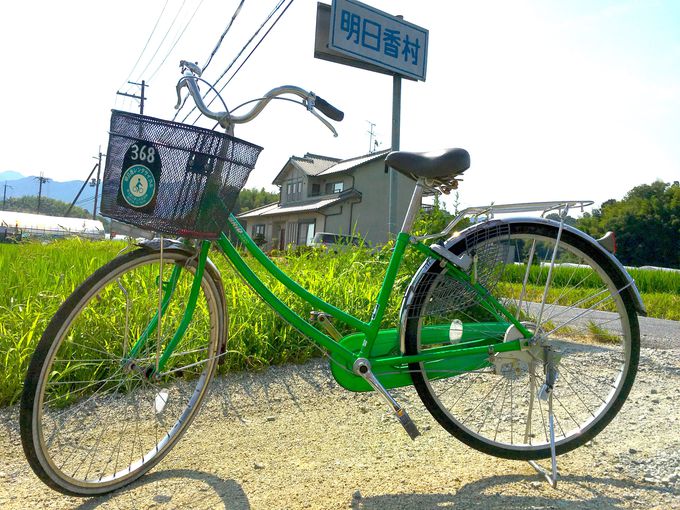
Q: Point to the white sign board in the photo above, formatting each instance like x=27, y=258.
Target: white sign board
x=365, y=33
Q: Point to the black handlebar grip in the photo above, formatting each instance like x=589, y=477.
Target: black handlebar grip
x=328, y=109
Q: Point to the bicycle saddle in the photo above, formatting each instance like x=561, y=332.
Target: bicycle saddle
x=431, y=165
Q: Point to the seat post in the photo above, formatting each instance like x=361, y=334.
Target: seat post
x=413, y=207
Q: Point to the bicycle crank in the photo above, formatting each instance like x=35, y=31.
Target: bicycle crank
x=362, y=367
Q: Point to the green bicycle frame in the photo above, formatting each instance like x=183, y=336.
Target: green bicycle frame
x=368, y=333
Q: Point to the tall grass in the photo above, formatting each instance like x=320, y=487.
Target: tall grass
x=35, y=279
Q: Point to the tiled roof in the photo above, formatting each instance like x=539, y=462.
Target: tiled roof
x=314, y=205
x=348, y=164
x=314, y=164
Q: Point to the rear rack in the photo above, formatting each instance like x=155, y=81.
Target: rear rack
x=490, y=210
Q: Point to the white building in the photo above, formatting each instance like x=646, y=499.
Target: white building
x=20, y=225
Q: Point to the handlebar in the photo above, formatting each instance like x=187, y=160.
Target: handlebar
x=227, y=120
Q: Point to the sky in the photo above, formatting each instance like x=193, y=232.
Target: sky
x=554, y=100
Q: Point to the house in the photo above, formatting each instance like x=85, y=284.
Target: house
x=323, y=194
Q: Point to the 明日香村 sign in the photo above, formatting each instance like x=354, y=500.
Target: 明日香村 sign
x=365, y=33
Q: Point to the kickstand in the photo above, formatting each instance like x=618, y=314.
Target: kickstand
x=550, y=477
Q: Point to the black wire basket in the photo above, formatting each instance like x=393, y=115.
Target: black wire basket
x=173, y=178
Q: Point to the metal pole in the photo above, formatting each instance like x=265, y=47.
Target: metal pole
x=81, y=190
x=141, y=101
x=396, y=125
x=4, y=194
x=42, y=179
x=96, y=184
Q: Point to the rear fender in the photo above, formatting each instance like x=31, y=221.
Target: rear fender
x=456, y=243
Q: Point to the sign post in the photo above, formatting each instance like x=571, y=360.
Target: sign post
x=361, y=36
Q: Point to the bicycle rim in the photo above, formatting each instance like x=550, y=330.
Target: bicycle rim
x=586, y=319
x=92, y=418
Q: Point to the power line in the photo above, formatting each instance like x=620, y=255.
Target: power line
x=153, y=31
x=249, y=54
x=219, y=42
x=163, y=40
x=177, y=40
x=271, y=14
x=217, y=46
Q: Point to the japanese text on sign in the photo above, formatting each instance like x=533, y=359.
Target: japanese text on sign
x=374, y=36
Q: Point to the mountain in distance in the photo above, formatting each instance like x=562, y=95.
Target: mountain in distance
x=19, y=186
x=9, y=175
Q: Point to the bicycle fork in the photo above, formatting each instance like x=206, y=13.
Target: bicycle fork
x=362, y=367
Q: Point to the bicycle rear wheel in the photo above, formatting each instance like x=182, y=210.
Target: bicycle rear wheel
x=586, y=320
x=92, y=419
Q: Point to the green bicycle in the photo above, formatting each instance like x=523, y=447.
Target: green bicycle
x=520, y=335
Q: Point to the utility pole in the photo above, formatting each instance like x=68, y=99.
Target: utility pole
x=4, y=195
x=141, y=97
x=42, y=180
x=372, y=146
x=99, y=167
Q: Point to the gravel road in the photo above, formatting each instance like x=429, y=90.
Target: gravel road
x=289, y=437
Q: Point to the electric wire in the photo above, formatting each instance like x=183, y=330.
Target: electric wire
x=271, y=15
x=176, y=41
x=226, y=30
x=212, y=54
x=253, y=50
x=174, y=20
x=153, y=31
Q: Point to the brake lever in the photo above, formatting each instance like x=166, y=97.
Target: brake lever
x=326, y=123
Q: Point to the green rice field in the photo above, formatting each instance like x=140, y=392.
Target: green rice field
x=35, y=279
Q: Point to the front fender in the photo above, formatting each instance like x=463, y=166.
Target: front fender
x=176, y=245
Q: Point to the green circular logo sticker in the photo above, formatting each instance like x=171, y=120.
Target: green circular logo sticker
x=138, y=186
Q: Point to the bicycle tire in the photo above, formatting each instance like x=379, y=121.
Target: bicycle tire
x=92, y=422
x=590, y=321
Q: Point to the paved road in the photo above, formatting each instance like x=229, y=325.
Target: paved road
x=657, y=333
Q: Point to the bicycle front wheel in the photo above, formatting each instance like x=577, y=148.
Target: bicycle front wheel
x=93, y=418
x=582, y=315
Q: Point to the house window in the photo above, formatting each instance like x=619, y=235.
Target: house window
x=258, y=234
x=316, y=190
x=305, y=232
x=294, y=190
x=334, y=187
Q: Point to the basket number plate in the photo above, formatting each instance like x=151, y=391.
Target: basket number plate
x=140, y=177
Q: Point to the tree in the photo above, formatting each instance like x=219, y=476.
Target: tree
x=431, y=221
x=646, y=223
x=48, y=207
x=252, y=198
x=568, y=220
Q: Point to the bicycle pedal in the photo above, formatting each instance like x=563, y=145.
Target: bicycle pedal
x=407, y=423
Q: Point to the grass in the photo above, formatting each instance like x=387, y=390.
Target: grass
x=601, y=335
x=36, y=278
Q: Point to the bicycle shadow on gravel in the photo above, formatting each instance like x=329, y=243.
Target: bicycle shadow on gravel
x=174, y=488
x=519, y=492
x=236, y=393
